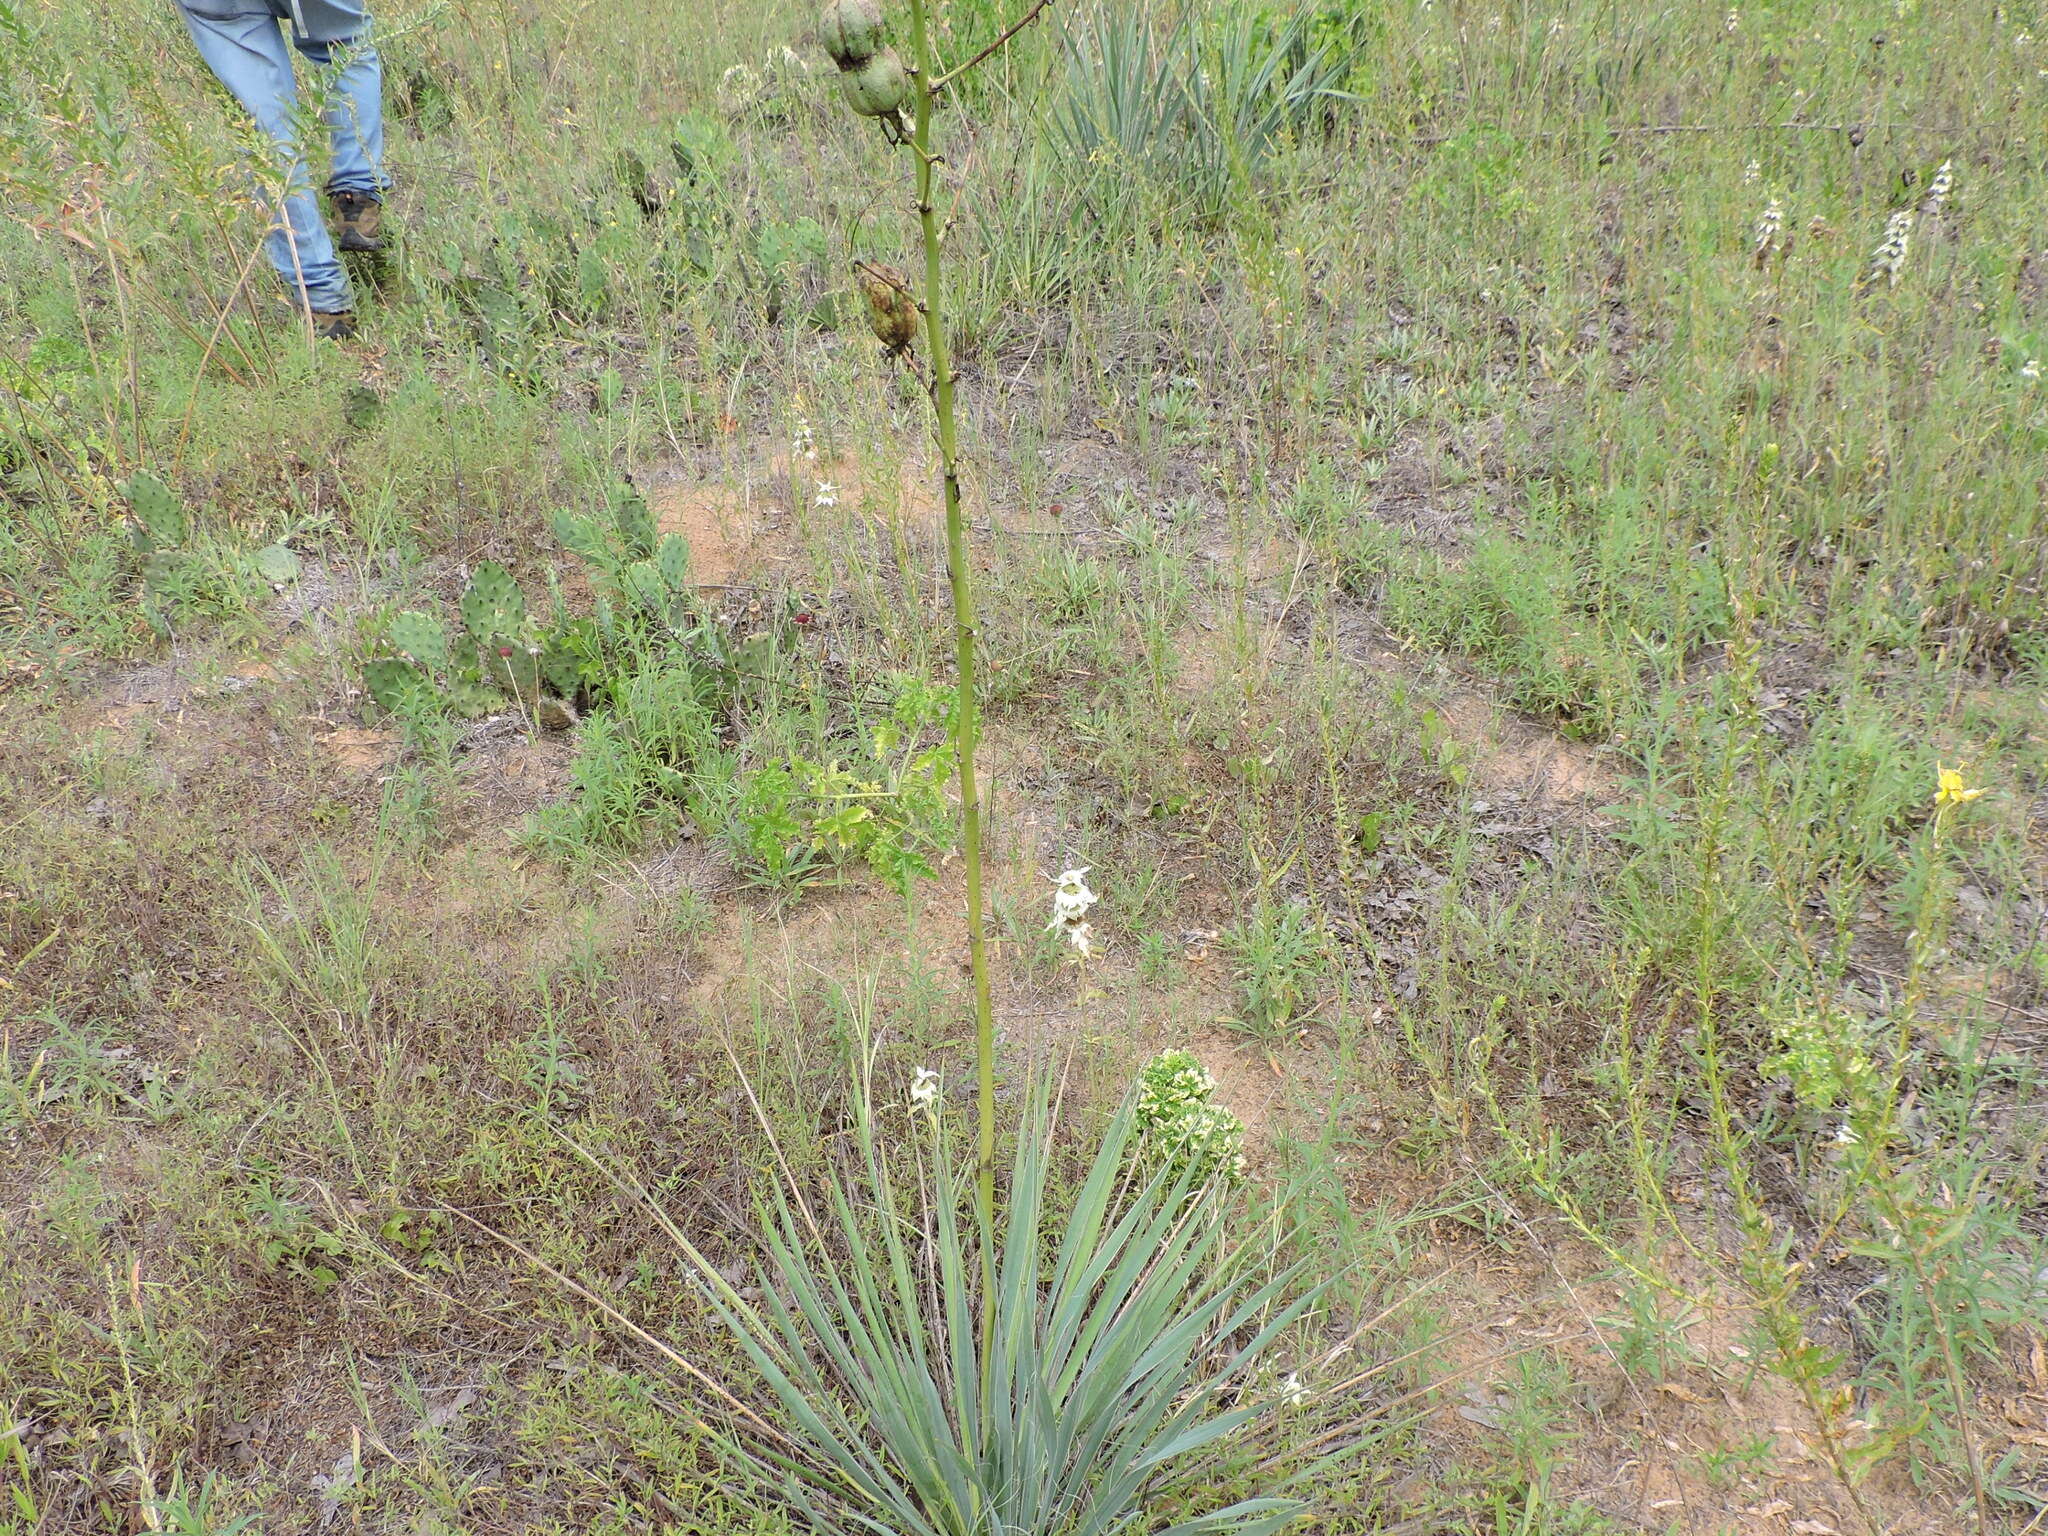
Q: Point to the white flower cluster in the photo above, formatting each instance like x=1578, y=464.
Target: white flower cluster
x=924, y=1091
x=1178, y=1117
x=1071, y=900
x=1938, y=189
x=1890, y=256
x=1769, y=226
x=742, y=88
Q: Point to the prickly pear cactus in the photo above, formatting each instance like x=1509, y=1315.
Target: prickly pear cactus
x=420, y=637
x=584, y=539
x=493, y=608
x=472, y=698
x=673, y=561
x=396, y=684
x=644, y=580
x=513, y=667
x=634, y=522
x=160, y=521
x=561, y=662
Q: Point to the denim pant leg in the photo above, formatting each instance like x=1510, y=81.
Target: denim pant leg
x=354, y=112
x=248, y=53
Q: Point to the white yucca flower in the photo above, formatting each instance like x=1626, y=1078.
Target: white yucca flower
x=1938, y=189
x=1769, y=225
x=1890, y=255
x=1071, y=900
x=1071, y=897
x=739, y=91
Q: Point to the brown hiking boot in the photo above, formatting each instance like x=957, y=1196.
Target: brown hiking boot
x=333, y=325
x=361, y=218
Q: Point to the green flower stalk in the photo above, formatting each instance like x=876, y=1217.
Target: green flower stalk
x=879, y=84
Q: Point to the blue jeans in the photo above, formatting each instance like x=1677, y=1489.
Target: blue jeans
x=243, y=42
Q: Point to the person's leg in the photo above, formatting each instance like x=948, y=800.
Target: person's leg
x=354, y=110
x=247, y=52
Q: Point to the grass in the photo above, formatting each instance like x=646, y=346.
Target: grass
x=1490, y=621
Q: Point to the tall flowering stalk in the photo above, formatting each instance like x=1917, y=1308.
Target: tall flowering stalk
x=924, y=85
x=880, y=84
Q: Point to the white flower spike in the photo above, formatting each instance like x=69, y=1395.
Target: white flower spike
x=924, y=1091
x=1071, y=898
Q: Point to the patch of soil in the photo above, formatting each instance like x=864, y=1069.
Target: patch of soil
x=1515, y=755
x=360, y=749
x=737, y=532
x=514, y=771
x=722, y=529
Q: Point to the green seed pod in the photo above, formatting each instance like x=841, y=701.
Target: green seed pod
x=851, y=31
x=878, y=87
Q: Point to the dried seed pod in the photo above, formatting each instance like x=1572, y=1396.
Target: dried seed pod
x=852, y=31
x=892, y=312
x=878, y=87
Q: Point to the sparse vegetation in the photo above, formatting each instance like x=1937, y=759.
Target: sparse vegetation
x=1506, y=554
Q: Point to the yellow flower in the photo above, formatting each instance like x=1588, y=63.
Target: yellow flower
x=1952, y=791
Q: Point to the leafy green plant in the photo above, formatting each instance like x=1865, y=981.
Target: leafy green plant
x=1179, y=1123
x=796, y=820
x=1279, y=948
x=291, y=1243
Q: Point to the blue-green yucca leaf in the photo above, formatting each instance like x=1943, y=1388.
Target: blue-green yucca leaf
x=916, y=1403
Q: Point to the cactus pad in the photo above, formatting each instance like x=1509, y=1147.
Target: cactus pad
x=634, y=522
x=644, y=580
x=673, y=560
x=395, y=684
x=493, y=606
x=159, y=515
x=473, y=699
x=422, y=638
x=513, y=667
x=561, y=667
x=583, y=538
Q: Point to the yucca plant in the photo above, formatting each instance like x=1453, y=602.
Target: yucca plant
x=942, y=1366
x=1116, y=1362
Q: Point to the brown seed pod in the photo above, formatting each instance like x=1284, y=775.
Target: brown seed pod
x=852, y=31
x=892, y=312
x=879, y=87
